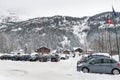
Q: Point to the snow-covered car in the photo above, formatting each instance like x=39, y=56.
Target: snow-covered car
x=64, y=56
x=100, y=65
x=103, y=54
x=90, y=57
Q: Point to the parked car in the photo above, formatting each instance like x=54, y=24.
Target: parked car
x=102, y=54
x=44, y=58
x=16, y=58
x=100, y=65
x=35, y=57
x=5, y=57
x=25, y=58
x=84, y=59
x=64, y=56
x=55, y=58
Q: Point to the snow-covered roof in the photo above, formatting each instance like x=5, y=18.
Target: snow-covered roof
x=105, y=54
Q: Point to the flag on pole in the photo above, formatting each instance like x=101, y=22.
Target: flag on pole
x=114, y=13
x=109, y=21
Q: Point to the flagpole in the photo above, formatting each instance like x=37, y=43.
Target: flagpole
x=115, y=15
x=116, y=36
x=117, y=41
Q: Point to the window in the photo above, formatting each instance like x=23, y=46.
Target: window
x=113, y=61
x=106, y=60
x=96, y=61
x=109, y=61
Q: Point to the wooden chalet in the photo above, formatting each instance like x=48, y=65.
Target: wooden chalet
x=43, y=50
x=66, y=52
x=79, y=50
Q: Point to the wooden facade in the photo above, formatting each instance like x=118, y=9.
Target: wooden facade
x=66, y=52
x=79, y=50
x=43, y=50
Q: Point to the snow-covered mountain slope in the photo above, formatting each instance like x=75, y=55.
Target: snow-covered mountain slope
x=8, y=16
x=56, y=32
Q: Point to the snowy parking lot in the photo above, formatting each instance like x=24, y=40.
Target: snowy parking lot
x=63, y=70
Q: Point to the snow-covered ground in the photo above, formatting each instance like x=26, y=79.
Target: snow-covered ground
x=63, y=70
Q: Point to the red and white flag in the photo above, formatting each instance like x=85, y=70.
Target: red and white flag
x=109, y=21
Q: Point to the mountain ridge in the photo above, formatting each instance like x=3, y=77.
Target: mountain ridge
x=56, y=32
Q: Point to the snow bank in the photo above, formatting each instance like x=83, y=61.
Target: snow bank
x=116, y=57
x=63, y=70
x=5, y=78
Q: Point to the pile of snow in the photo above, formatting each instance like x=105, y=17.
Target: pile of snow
x=66, y=41
x=16, y=29
x=33, y=53
x=63, y=55
x=5, y=78
x=116, y=57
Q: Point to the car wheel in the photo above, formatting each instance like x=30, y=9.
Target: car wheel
x=115, y=71
x=85, y=70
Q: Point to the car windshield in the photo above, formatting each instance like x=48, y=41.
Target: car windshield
x=87, y=59
x=93, y=56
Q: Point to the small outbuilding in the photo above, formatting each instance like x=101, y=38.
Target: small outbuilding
x=79, y=50
x=43, y=50
x=66, y=52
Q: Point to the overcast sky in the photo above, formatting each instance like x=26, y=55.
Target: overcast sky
x=76, y=8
